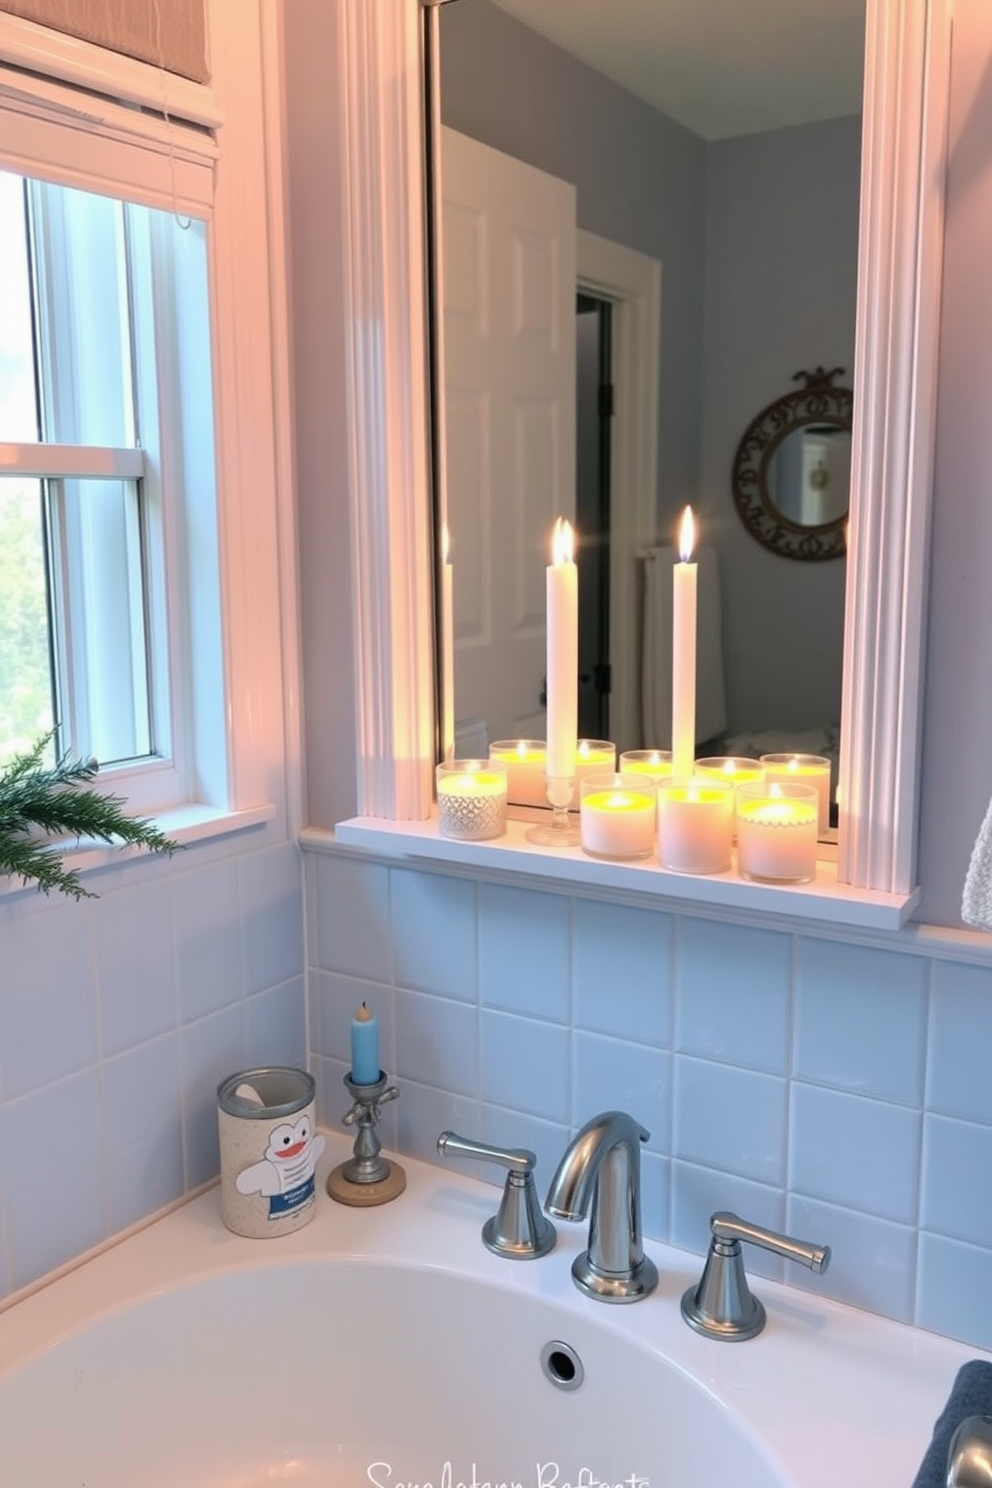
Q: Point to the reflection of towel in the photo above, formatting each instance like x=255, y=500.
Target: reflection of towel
x=971, y=1395
x=976, y=906
x=656, y=680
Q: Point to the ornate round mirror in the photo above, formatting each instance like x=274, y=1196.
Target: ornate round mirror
x=792, y=470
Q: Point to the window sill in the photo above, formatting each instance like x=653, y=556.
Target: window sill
x=185, y=825
x=823, y=902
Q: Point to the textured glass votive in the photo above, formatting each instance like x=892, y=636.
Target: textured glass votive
x=654, y=763
x=777, y=832
x=526, y=762
x=802, y=769
x=471, y=799
x=695, y=824
x=617, y=816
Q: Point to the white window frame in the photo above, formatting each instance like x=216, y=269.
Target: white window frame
x=200, y=147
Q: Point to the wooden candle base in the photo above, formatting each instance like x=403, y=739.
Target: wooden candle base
x=364, y=1195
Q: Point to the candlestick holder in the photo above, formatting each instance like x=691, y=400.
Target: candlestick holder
x=367, y=1177
x=563, y=830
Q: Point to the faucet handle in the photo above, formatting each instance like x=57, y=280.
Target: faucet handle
x=722, y=1305
x=519, y=1230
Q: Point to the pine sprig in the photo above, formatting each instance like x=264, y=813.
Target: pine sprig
x=55, y=802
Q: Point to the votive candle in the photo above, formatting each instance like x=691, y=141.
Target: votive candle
x=594, y=757
x=695, y=824
x=777, y=832
x=526, y=767
x=803, y=769
x=471, y=799
x=656, y=764
x=617, y=816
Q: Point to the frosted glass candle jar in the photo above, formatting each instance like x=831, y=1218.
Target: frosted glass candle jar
x=471, y=799
x=617, y=816
x=526, y=762
x=594, y=757
x=695, y=824
x=656, y=764
x=777, y=832
x=803, y=769
x=736, y=768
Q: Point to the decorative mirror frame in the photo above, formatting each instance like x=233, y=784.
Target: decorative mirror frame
x=381, y=49
x=817, y=402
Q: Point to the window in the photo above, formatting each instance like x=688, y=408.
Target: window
x=105, y=395
x=145, y=459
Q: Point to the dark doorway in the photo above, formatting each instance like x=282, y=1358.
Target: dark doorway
x=593, y=425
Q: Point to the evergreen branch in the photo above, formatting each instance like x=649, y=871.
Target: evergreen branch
x=53, y=800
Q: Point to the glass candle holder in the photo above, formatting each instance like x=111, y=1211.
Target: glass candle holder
x=738, y=769
x=617, y=816
x=595, y=757
x=802, y=769
x=654, y=763
x=471, y=799
x=695, y=824
x=777, y=832
x=526, y=762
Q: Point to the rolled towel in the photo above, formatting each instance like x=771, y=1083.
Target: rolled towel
x=971, y=1395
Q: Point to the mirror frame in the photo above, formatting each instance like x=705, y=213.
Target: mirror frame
x=383, y=48
x=818, y=402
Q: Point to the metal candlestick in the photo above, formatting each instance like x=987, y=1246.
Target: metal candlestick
x=367, y=1177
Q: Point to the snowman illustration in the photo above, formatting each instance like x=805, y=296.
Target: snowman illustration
x=285, y=1174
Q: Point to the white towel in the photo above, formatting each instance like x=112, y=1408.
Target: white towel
x=656, y=676
x=976, y=904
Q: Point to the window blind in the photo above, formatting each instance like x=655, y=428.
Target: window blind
x=167, y=33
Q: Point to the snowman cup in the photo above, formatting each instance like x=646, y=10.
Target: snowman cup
x=268, y=1151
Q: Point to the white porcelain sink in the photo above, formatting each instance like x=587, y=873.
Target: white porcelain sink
x=388, y=1347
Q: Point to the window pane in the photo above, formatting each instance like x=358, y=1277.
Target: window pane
x=18, y=410
x=80, y=261
x=101, y=617
x=25, y=671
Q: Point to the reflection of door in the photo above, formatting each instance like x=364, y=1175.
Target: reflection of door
x=509, y=371
x=594, y=419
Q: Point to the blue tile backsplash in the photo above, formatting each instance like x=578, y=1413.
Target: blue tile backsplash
x=834, y=1089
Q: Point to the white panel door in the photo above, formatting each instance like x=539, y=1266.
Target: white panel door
x=508, y=300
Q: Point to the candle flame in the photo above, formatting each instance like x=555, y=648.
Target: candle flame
x=583, y=749
x=793, y=764
x=445, y=542
x=775, y=790
x=692, y=791
x=655, y=758
x=562, y=542
x=687, y=535
x=728, y=767
x=522, y=749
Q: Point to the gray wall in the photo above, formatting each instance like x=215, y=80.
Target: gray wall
x=779, y=296
x=639, y=180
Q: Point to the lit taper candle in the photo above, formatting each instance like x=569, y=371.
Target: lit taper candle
x=684, y=651
x=562, y=655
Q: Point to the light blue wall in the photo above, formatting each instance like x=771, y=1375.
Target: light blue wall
x=836, y=1091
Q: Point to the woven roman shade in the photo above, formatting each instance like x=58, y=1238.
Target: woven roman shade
x=166, y=33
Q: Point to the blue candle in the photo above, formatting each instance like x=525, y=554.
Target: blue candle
x=364, y=1047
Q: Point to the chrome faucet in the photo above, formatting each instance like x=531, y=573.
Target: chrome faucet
x=600, y=1176
x=969, y=1457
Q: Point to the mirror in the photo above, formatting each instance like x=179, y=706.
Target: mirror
x=792, y=470
x=739, y=226
x=394, y=549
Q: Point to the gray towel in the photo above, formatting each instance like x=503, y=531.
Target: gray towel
x=971, y=1395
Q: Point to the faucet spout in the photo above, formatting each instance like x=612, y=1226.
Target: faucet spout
x=599, y=1176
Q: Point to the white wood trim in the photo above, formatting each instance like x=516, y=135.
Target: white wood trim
x=53, y=54
x=391, y=520
x=902, y=212
x=83, y=461
x=904, y=154
x=631, y=281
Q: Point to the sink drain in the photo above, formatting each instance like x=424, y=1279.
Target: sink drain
x=562, y=1365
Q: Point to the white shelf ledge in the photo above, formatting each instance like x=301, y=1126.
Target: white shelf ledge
x=823, y=902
